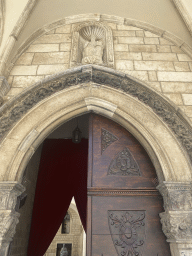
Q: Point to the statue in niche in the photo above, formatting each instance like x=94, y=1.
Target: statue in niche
x=93, y=52
x=63, y=251
x=93, y=48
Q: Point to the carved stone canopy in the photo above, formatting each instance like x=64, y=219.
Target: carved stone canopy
x=92, y=43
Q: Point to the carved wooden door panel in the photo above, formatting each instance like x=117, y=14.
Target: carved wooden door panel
x=123, y=203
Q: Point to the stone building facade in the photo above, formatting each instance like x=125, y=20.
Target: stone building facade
x=137, y=72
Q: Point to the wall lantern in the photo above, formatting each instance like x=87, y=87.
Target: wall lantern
x=76, y=136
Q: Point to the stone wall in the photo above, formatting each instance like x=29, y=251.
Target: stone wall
x=75, y=236
x=139, y=53
x=20, y=241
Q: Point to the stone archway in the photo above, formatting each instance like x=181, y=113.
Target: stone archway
x=161, y=129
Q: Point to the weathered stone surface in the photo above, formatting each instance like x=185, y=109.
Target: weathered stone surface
x=154, y=65
x=187, y=98
x=51, y=58
x=25, y=59
x=181, y=66
x=142, y=75
x=124, y=33
x=55, y=38
x=24, y=70
x=152, y=76
x=65, y=47
x=175, y=98
x=124, y=64
x=163, y=48
x=164, y=41
x=171, y=87
x=140, y=33
x=160, y=56
x=142, y=48
x=151, y=40
x=187, y=110
x=128, y=56
x=183, y=57
x=43, y=48
x=63, y=30
x=175, y=76
x=149, y=34
x=130, y=40
x=14, y=91
x=176, y=49
x=51, y=69
x=25, y=81
x=121, y=47
x=155, y=85
x=124, y=27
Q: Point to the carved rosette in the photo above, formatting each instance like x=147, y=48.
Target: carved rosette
x=9, y=191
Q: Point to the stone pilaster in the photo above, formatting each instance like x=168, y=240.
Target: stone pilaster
x=177, y=218
x=9, y=191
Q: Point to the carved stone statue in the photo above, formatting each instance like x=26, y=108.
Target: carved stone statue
x=64, y=251
x=93, y=52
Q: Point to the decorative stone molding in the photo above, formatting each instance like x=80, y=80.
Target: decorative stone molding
x=14, y=110
x=177, y=196
x=9, y=191
x=177, y=226
x=97, y=18
x=92, y=43
x=177, y=218
x=180, y=5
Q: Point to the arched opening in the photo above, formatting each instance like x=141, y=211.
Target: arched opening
x=126, y=165
x=116, y=97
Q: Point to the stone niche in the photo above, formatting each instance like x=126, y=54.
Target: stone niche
x=92, y=43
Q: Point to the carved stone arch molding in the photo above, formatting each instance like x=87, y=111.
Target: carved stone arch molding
x=160, y=127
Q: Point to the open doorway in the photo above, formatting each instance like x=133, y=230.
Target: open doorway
x=20, y=242
x=123, y=202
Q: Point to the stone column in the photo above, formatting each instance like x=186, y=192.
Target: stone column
x=9, y=191
x=177, y=218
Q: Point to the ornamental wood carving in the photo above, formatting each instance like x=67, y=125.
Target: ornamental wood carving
x=107, y=138
x=124, y=164
x=128, y=231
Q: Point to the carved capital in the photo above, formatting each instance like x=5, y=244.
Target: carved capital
x=9, y=191
x=177, y=195
x=177, y=226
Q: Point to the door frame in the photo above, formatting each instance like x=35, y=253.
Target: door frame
x=29, y=118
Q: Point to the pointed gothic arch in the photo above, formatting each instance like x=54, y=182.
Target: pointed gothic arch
x=163, y=131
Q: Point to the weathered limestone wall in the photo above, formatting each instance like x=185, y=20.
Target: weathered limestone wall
x=20, y=241
x=75, y=237
x=139, y=53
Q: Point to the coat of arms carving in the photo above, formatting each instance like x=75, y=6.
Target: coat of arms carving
x=128, y=231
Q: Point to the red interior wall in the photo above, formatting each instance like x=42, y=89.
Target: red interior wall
x=62, y=175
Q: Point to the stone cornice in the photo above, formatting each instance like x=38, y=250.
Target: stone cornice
x=13, y=111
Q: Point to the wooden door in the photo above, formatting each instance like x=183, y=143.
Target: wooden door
x=123, y=203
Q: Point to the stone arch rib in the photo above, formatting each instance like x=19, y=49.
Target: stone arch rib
x=13, y=111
